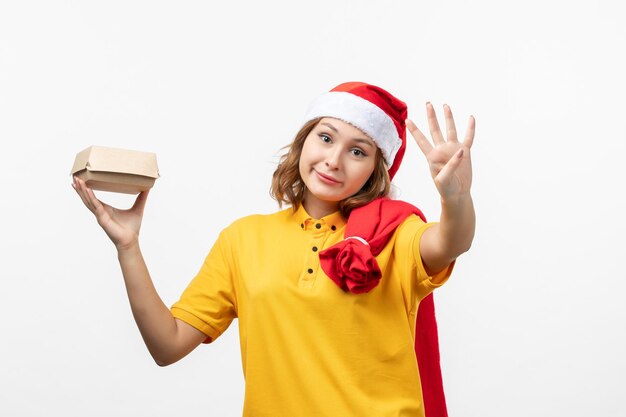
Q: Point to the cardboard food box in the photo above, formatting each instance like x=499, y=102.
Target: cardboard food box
x=116, y=170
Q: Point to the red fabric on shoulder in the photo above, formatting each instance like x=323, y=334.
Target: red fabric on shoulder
x=351, y=264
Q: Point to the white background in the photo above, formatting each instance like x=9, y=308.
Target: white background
x=532, y=322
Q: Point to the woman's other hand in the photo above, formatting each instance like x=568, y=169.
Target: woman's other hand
x=122, y=226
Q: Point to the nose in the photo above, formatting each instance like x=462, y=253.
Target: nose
x=333, y=158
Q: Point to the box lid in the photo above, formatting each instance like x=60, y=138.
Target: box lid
x=122, y=161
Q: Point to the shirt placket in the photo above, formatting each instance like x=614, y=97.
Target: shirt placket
x=318, y=231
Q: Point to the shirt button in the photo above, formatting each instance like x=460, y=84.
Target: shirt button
x=310, y=271
x=333, y=227
x=318, y=226
x=314, y=248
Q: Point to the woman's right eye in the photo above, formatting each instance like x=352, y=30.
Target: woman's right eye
x=325, y=138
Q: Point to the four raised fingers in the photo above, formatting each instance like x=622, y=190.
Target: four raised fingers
x=425, y=145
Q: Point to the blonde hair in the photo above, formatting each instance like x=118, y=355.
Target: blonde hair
x=288, y=187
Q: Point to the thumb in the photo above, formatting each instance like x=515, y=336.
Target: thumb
x=451, y=166
x=140, y=202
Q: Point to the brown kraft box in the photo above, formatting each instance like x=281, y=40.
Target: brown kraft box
x=116, y=170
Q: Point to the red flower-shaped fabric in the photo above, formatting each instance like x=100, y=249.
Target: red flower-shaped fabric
x=351, y=263
x=355, y=268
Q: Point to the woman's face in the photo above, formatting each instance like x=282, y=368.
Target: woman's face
x=337, y=160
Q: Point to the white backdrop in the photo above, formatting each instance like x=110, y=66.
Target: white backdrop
x=532, y=322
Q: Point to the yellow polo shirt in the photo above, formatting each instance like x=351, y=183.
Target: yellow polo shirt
x=307, y=347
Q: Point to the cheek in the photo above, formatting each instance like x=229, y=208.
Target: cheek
x=361, y=176
x=368, y=171
x=310, y=153
x=303, y=161
x=306, y=160
x=301, y=168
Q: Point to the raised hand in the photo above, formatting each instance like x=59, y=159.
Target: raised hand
x=449, y=160
x=122, y=226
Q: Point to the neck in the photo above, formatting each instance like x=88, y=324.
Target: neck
x=318, y=209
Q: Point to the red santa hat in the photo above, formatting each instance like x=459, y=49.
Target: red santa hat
x=373, y=110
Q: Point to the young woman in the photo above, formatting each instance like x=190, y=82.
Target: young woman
x=327, y=291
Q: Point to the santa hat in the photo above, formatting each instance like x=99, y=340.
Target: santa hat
x=373, y=110
x=351, y=263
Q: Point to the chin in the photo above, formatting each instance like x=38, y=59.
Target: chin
x=327, y=198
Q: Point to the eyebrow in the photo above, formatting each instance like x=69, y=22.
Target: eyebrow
x=359, y=140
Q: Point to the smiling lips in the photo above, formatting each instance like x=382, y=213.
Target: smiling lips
x=326, y=179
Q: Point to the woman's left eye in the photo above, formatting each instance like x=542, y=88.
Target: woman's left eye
x=325, y=138
x=357, y=152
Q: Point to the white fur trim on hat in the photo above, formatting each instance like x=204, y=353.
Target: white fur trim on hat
x=360, y=113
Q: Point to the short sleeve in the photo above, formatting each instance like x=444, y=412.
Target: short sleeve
x=209, y=302
x=409, y=236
